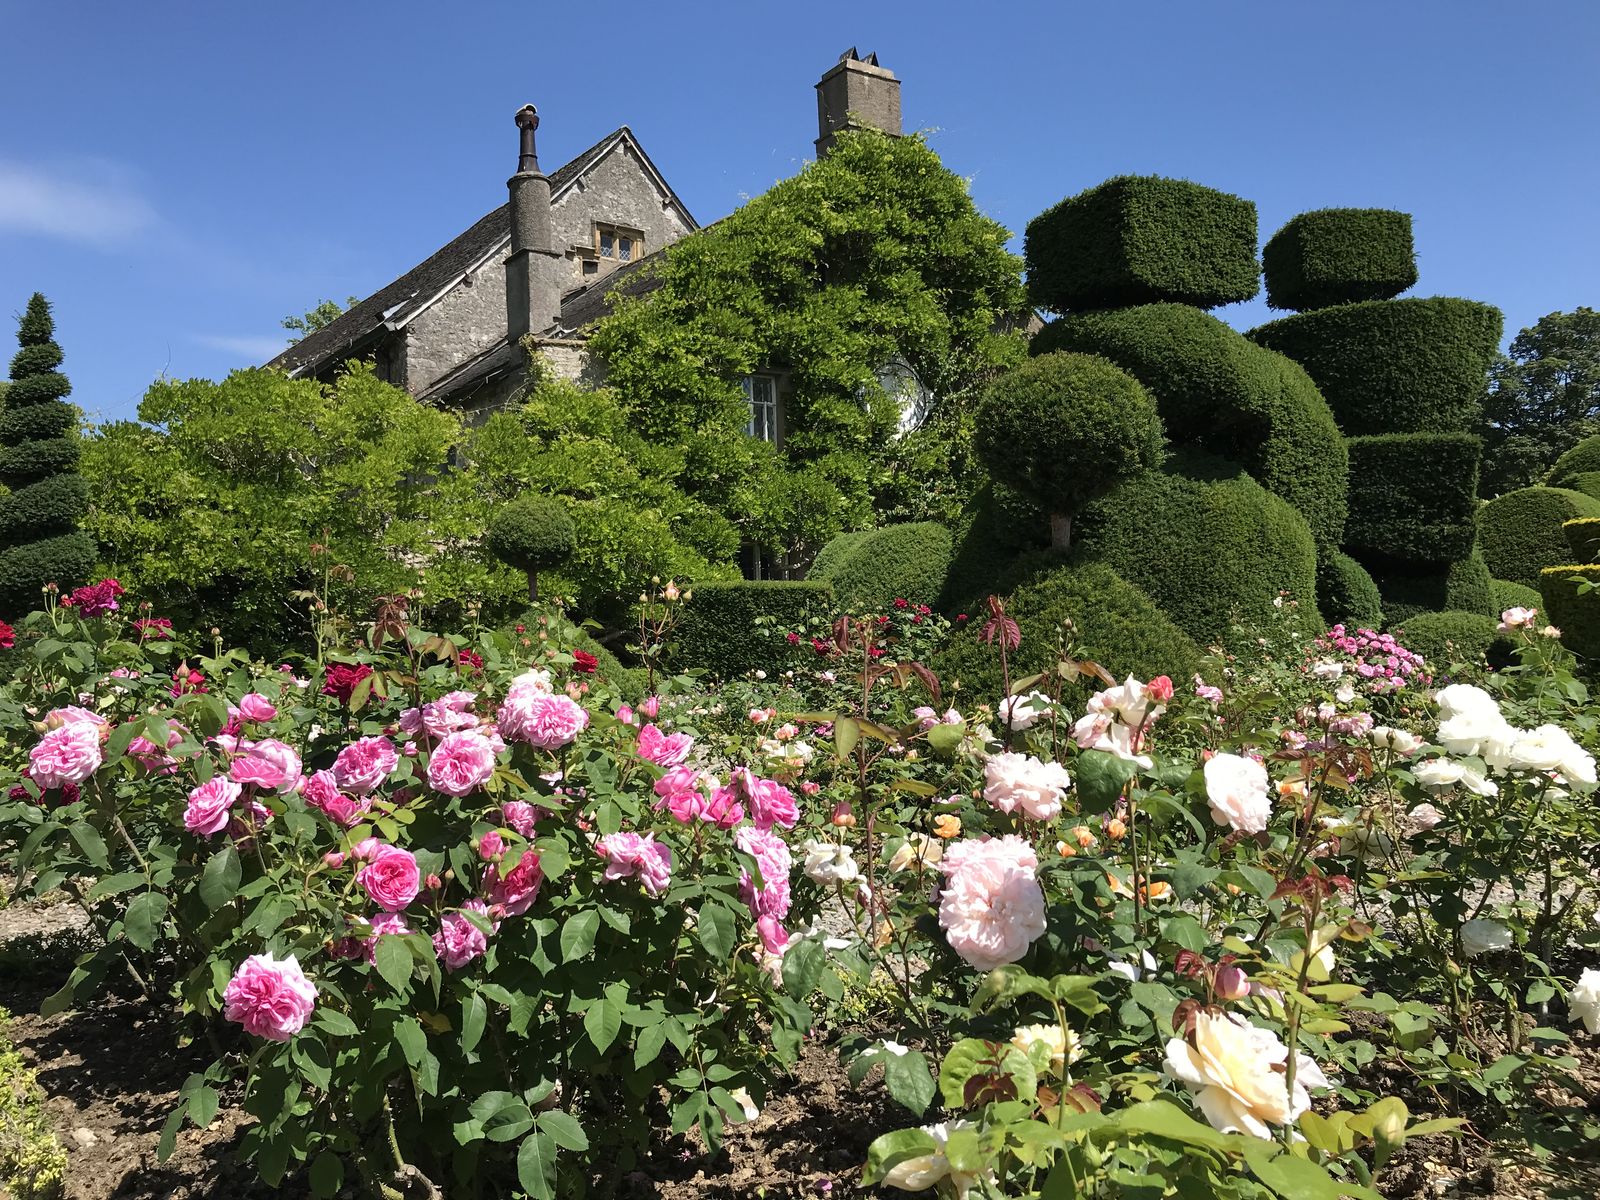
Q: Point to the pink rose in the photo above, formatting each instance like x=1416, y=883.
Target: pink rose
x=519, y=889
x=772, y=857
x=366, y=848
x=520, y=816
x=271, y=998
x=770, y=803
x=461, y=762
x=322, y=792
x=66, y=755
x=334, y=859
x=774, y=937
x=629, y=854
x=546, y=721
x=650, y=706
x=438, y=718
x=491, y=846
x=71, y=714
x=625, y=715
x=665, y=750
x=256, y=707
x=364, y=764
x=382, y=924
x=459, y=941
x=269, y=764
x=391, y=878
x=210, y=805
x=992, y=907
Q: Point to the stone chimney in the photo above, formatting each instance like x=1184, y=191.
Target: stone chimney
x=856, y=93
x=535, y=269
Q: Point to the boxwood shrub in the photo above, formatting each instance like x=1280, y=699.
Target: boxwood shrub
x=1462, y=586
x=717, y=629
x=1581, y=459
x=1443, y=638
x=1218, y=390
x=1346, y=593
x=1209, y=552
x=1337, y=256
x=42, y=509
x=1413, y=496
x=1576, y=614
x=1514, y=595
x=1139, y=238
x=1001, y=528
x=65, y=560
x=1587, y=482
x=1394, y=366
x=1520, y=532
x=1115, y=623
x=840, y=547
x=1583, y=535
x=907, y=562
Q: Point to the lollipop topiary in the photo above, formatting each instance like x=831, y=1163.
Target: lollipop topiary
x=532, y=534
x=1065, y=429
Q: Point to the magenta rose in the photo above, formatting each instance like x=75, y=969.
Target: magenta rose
x=363, y=765
x=383, y=923
x=665, y=750
x=322, y=792
x=210, y=805
x=391, y=878
x=341, y=680
x=637, y=854
x=269, y=764
x=271, y=998
x=520, y=887
x=461, y=762
x=66, y=755
x=459, y=941
x=772, y=856
x=519, y=815
x=256, y=707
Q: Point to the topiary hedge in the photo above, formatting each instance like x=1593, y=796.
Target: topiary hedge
x=1583, y=535
x=1394, y=366
x=1338, y=256
x=1587, y=482
x=906, y=562
x=1218, y=390
x=1346, y=593
x=717, y=630
x=65, y=560
x=1136, y=239
x=840, y=547
x=31, y=460
x=1208, y=552
x=1575, y=613
x=1520, y=532
x=51, y=506
x=1514, y=595
x=1115, y=623
x=532, y=534
x=1444, y=638
x=1413, y=496
x=1581, y=459
x=37, y=421
x=1462, y=586
x=1001, y=528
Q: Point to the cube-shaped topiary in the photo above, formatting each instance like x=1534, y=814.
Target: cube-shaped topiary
x=718, y=629
x=1581, y=459
x=532, y=534
x=879, y=566
x=1064, y=429
x=1339, y=256
x=1218, y=390
x=1394, y=366
x=1408, y=588
x=1346, y=594
x=1137, y=239
x=1521, y=534
x=1583, y=535
x=1570, y=608
x=1446, y=638
x=1413, y=496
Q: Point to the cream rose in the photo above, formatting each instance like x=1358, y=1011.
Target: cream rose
x=1062, y=1044
x=1020, y=781
x=1237, y=1074
x=1583, y=1001
x=1237, y=788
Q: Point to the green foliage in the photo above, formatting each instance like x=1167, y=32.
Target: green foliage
x=1413, y=496
x=1583, y=535
x=211, y=507
x=1210, y=553
x=1136, y=239
x=1544, y=399
x=1064, y=429
x=1520, y=532
x=1448, y=637
x=1587, y=482
x=43, y=499
x=1571, y=595
x=33, y=1166
x=897, y=562
x=872, y=262
x=1114, y=624
x=325, y=313
x=1394, y=366
x=1346, y=593
x=1461, y=586
x=721, y=627
x=1512, y=595
x=1218, y=390
x=1337, y=256
x=532, y=534
x=840, y=547
x=999, y=530
x=1582, y=459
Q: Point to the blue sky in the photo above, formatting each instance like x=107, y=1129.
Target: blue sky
x=179, y=177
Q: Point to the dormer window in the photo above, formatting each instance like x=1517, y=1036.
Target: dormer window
x=616, y=245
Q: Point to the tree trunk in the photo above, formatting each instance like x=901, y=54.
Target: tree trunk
x=1060, y=531
x=533, y=587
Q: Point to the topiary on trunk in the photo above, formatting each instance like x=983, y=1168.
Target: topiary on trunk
x=44, y=496
x=532, y=534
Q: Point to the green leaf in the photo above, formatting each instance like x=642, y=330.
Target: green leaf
x=536, y=1166
x=892, y=1149
x=846, y=733
x=563, y=1129
x=647, y=1046
x=577, y=935
x=944, y=739
x=395, y=963
x=1099, y=778
x=412, y=1040
x=803, y=964
x=1296, y=1178
x=142, y=921
x=336, y=1022
x=203, y=1104
x=327, y=1174
x=716, y=928
x=220, y=880
x=91, y=843
x=1161, y=1118
x=602, y=1023
x=169, y=1133
x=115, y=885
x=909, y=1080
x=474, y=1013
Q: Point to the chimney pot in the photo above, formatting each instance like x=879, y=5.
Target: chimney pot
x=857, y=93
x=534, y=268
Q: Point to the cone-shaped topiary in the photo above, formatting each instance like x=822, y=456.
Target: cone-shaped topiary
x=39, y=538
x=532, y=534
x=1065, y=429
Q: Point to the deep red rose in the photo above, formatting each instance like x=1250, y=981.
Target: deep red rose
x=583, y=662
x=342, y=678
x=8, y=636
x=469, y=660
x=96, y=600
x=154, y=629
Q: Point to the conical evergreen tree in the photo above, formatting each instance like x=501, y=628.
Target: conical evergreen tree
x=39, y=537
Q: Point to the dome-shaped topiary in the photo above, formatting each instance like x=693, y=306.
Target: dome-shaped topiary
x=1346, y=593
x=532, y=534
x=1521, y=531
x=1445, y=638
x=1065, y=429
x=1581, y=459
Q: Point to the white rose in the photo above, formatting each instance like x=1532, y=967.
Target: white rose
x=1327, y=670
x=923, y=1172
x=1063, y=1045
x=1475, y=731
x=1019, y=781
x=1463, y=698
x=829, y=862
x=1237, y=788
x=1583, y=1001
x=1541, y=749
x=1426, y=816
x=1019, y=712
x=1440, y=773
x=1481, y=935
x=1130, y=703
x=1236, y=1073
x=1399, y=740
x=917, y=846
x=1101, y=731
x=1345, y=693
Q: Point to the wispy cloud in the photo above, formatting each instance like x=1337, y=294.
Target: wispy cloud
x=247, y=346
x=86, y=201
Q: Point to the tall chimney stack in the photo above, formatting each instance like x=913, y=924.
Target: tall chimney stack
x=856, y=93
x=535, y=268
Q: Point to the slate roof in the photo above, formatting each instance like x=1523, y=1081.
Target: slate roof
x=395, y=303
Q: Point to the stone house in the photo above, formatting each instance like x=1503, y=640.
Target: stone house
x=542, y=268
